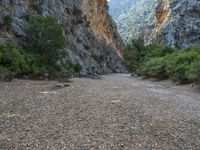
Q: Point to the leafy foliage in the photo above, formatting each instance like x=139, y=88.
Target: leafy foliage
x=181, y=66
x=77, y=67
x=14, y=58
x=44, y=53
x=162, y=61
x=5, y=74
x=134, y=54
x=7, y=20
x=46, y=37
x=158, y=50
x=155, y=67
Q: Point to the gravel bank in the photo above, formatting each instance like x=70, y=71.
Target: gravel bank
x=115, y=112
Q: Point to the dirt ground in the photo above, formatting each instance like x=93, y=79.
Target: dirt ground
x=115, y=112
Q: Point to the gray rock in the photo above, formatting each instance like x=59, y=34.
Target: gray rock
x=60, y=85
x=84, y=46
x=181, y=26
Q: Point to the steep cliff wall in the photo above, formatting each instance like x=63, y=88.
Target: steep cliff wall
x=172, y=22
x=92, y=35
x=178, y=22
x=162, y=12
x=134, y=18
x=101, y=22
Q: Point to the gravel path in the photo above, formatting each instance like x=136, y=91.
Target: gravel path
x=115, y=112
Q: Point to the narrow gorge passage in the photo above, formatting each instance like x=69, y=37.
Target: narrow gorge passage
x=114, y=112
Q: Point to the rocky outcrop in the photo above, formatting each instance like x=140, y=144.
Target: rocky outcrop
x=134, y=18
x=178, y=22
x=92, y=37
x=172, y=22
x=101, y=22
x=162, y=12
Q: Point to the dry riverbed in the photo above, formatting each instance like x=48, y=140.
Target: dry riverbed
x=116, y=112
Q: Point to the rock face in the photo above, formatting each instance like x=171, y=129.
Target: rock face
x=101, y=22
x=178, y=22
x=92, y=35
x=172, y=22
x=134, y=18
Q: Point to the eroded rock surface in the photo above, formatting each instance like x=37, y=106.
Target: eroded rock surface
x=94, y=47
x=134, y=18
x=178, y=22
x=172, y=22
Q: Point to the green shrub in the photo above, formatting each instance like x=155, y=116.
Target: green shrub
x=6, y=22
x=17, y=61
x=194, y=72
x=43, y=54
x=181, y=66
x=77, y=68
x=155, y=67
x=193, y=48
x=134, y=54
x=5, y=74
x=14, y=58
x=162, y=61
x=158, y=50
x=179, y=63
x=46, y=38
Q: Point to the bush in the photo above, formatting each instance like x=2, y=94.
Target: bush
x=194, y=72
x=158, y=50
x=14, y=58
x=181, y=66
x=179, y=63
x=7, y=20
x=134, y=54
x=5, y=74
x=155, y=67
x=162, y=61
x=77, y=68
x=46, y=38
x=43, y=55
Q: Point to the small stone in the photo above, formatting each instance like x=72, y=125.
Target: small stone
x=60, y=85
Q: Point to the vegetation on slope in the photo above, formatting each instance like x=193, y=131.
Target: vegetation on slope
x=163, y=62
x=44, y=54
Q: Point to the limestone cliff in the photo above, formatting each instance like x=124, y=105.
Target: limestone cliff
x=101, y=22
x=162, y=12
x=92, y=35
x=134, y=18
x=172, y=22
x=178, y=22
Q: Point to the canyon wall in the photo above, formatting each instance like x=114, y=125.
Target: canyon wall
x=178, y=22
x=96, y=12
x=134, y=18
x=172, y=22
x=92, y=37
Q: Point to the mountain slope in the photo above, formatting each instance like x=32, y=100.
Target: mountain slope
x=178, y=22
x=172, y=22
x=134, y=18
x=96, y=50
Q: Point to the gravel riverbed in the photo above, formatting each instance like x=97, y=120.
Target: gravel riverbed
x=115, y=112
